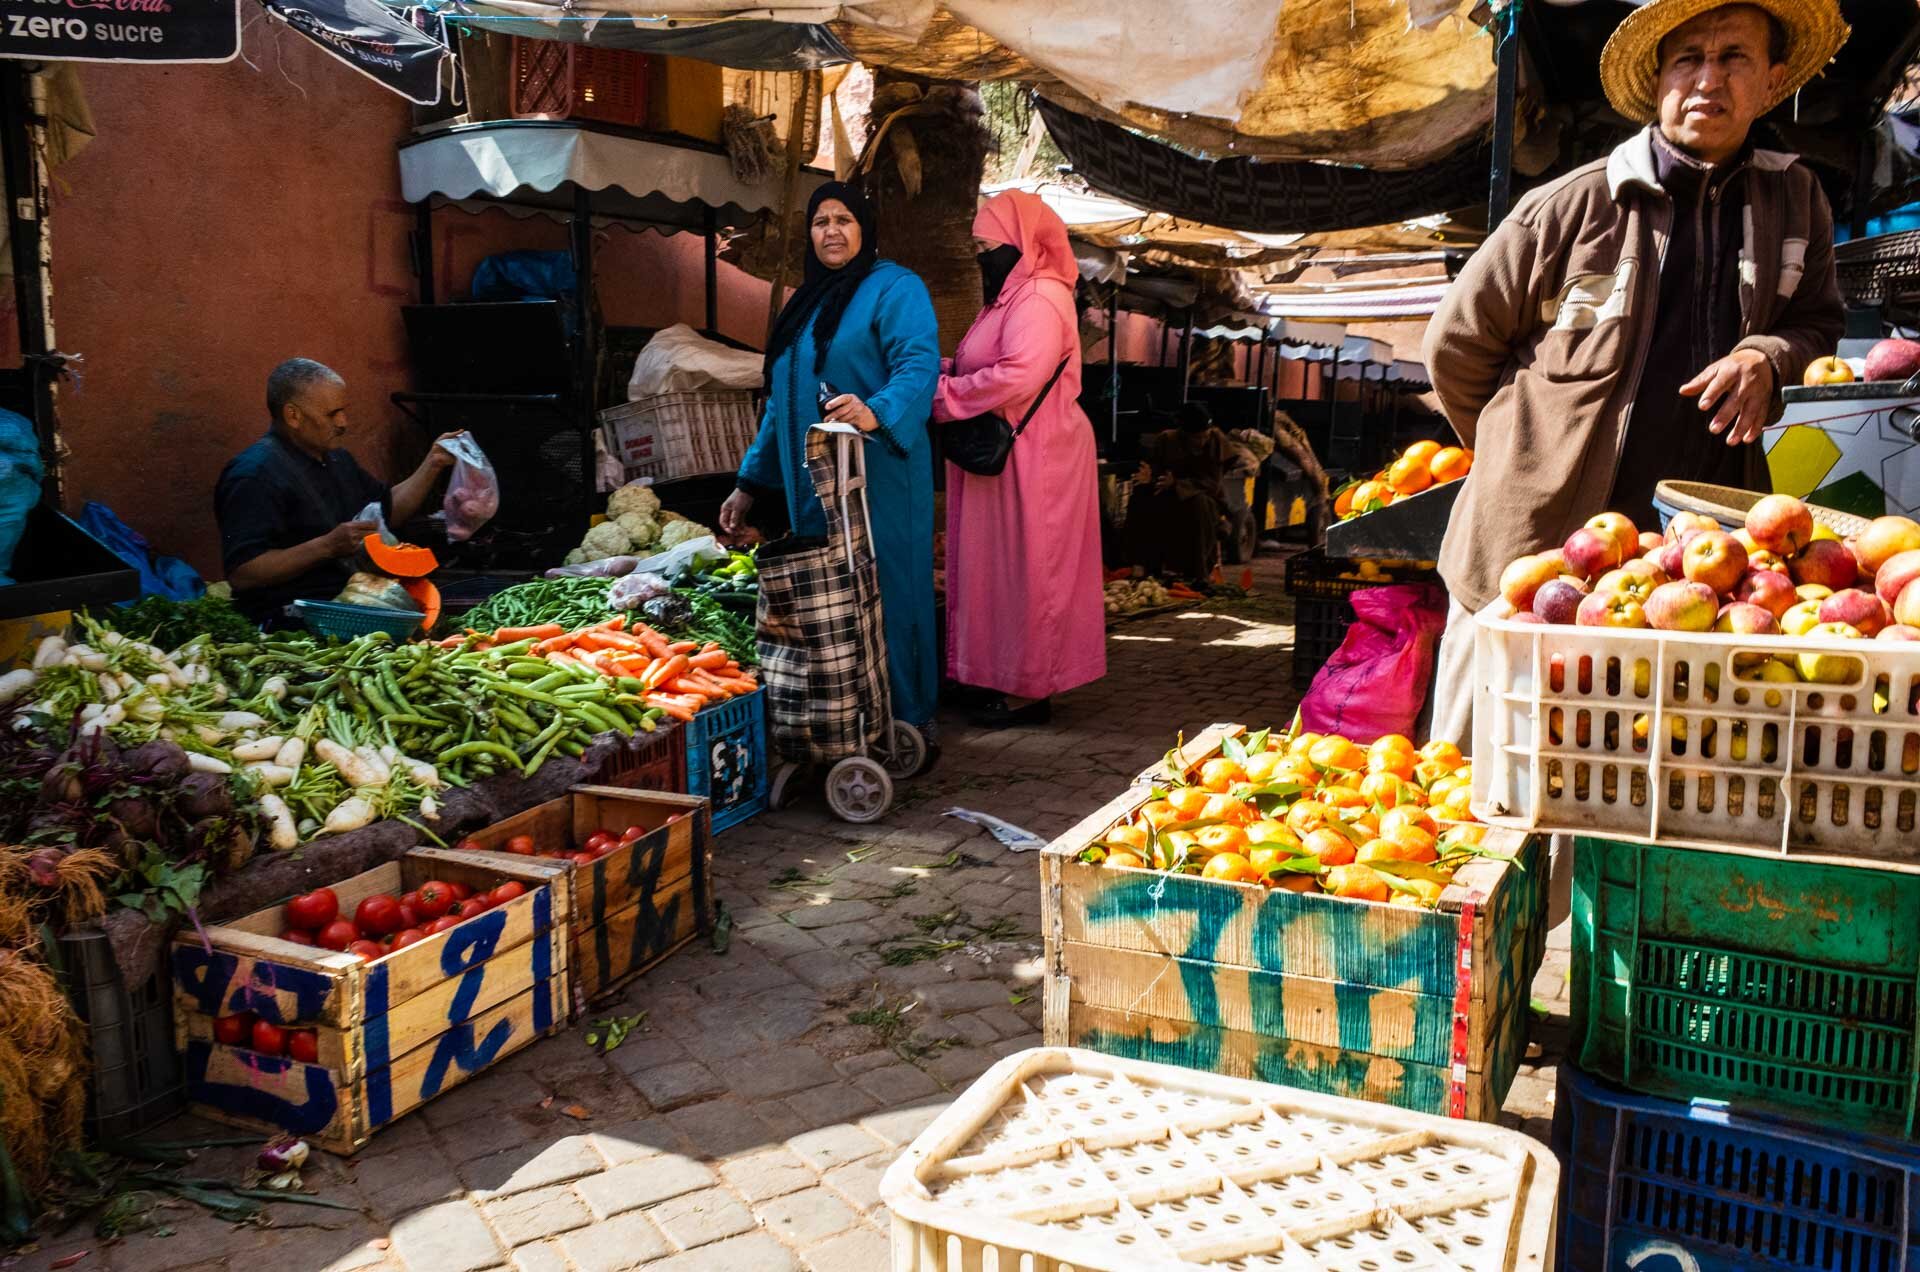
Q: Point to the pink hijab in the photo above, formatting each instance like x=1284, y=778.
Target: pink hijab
x=1025, y=221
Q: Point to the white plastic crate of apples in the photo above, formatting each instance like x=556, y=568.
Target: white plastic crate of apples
x=1754, y=686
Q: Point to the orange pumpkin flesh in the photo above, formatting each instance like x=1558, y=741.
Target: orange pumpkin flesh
x=428, y=597
x=401, y=560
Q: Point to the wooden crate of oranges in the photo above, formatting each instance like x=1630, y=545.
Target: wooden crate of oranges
x=1420, y=467
x=1292, y=910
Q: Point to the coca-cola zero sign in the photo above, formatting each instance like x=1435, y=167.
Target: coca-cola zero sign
x=120, y=30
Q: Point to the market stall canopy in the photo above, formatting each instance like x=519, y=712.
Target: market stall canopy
x=1377, y=302
x=536, y=164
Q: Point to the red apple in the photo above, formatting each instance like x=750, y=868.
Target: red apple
x=1683, y=522
x=1558, y=600
x=1743, y=618
x=1604, y=609
x=1523, y=577
x=1715, y=559
x=1591, y=553
x=1671, y=558
x=1635, y=583
x=1683, y=607
x=1650, y=542
x=1771, y=590
x=1761, y=559
x=1859, y=609
x=1899, y=631
x=1780, y=523
x=1620, y=530
x=1906, y=606
x=1651, y=569
x=1825, y=562
x=1894, y=574
x=1557, y=559
x=1744, y=539
x=1893, y=359
x=1882, y=540
x=1527, y=616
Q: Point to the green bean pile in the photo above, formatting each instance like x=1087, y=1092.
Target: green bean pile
x=572, y=603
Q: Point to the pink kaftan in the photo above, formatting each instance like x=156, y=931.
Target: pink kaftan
x=1025, y=614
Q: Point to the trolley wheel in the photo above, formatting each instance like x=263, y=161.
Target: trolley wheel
x=783, y=789
x=907, y=752
x=859, y=790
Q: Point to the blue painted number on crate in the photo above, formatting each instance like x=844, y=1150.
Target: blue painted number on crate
x=277, y=993
x=252, y=1085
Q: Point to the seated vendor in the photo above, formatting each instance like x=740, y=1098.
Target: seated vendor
x=1173, y=515
x=289, y=504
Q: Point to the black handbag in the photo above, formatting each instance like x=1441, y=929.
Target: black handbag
x=982, y=444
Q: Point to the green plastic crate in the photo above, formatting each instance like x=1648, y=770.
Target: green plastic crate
x=1778, y=985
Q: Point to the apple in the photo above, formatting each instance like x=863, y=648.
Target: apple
x=1557, y=559
x=1650, y=569
x=1591, y=553
x=1899, y=631
x=1523, y=577
x=1883, y=539
x=1683, y=607
x=1526, y=616
x=1829, y=668
x=1826, y=562
x=1821, y=530
x=1906, y=606
x=1895, y=573
x=1558, y=600
x=1650, y=542
x=1828, y=370
x=1671, y=558
x=1620, y=529
x=1684, y=522
x=1771, y=590
x=1715, y=559
x=1801, y=619
x=1604, y=609
x=1812, y=592
x=1627, y=582
x=1857, y=608
x=1743, y=618
x=1780, y=523
x=1761, y=559
x=1893, y=359
x=1745, y=539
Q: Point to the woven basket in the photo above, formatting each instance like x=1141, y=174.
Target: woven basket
x=1729, y=505
x=682, y=434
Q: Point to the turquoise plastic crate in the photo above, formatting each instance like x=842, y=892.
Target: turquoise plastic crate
x=1779, y=985
x=330, y=618
x=727, y=758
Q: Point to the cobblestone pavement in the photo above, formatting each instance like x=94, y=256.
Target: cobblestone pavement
x=873, y=973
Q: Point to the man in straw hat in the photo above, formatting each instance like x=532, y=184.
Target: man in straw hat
x=1635, y=320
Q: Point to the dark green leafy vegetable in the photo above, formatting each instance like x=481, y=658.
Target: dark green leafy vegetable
x=171, y=624
x=671, y=613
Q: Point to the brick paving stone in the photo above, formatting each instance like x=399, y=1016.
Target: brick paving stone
x=900, y=1124
x=540, y=1256
x=832, y=1146
x=744, y=982
x=775, y=1072
x=722, y=1128
x=968, y=995
x=781, y=939
x=633, y=1141
x=781, y=1119
x=896, y=1082
x=861, y=1248
x=838, y=1101
x=960, y=1065
x=615, y=1245
x=399, y=1182
x=1014, y=1046
x=827, y=915
x=531, y=1166
x=828, y=969
x=531, y=1216
x=754, y=1252
x=748, y=917
x=450, y=1237
x=803, y=1218
x=859, y=1182
x=701, y=1218
x=972, y=1030
x=770, y=1174
x=669, y=1086
x=646, y=1051
x=636, y=1184
x=790, y=1016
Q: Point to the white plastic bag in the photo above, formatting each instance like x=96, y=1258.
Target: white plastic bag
x=682, y=557
x=680, y=360
x=473, y=492
x=628, y=593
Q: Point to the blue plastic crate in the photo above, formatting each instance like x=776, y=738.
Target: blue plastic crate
x=1650, y=1185
x=727, y=758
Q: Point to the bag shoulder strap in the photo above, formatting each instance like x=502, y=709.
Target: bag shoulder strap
x=1046, y=389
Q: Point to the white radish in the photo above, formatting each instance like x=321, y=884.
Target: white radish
x=110, y=639
x=91, y=712
x=15, y=683
x=51, y=653
x=242, y=720
x=84, y=656
x=422, y=773
x=350, y=813
x=178, y=675
x=272, y=774
x=198, y=674
x=207, y=764
x=146, y=707
x=355, y=770
x=259, y=749
x=376, y=763
x=308, y=826
x=275, y=687
x=159, y=682
x=291, y=753
x=429, y=808
x=110, y=690
x=282, y=834
x=210, y=735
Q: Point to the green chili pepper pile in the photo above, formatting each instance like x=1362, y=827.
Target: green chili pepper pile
x=572, y=603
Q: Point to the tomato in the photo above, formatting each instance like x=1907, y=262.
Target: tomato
x=367, y=950
x=445, y=923
x=269, y=1037
x=311, y=911
x=408, y=937
x=303, y=1045
x=461, y=892
x=470, y=907
x=506, y=892
x=411, y=900
x=337, y=935
x=615, y=846
x=378, y=915
x=632, y=833
x=410, y=916
x=521, y=845
x=598, y=840
x=435, y=899
x=235, y=1030
x=297, y=936
x=469, y=845
x=579, y=859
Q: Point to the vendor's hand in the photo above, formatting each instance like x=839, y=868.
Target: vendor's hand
x=733, y=517
x=1144, y=474
x=1738, y=389
x=439, y=456
x=848, y=409
x=348, y=537
x=1165, y=483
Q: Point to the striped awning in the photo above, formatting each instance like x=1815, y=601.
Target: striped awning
x=1375, y=304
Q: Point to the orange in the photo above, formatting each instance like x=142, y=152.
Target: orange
x=1459, y=805
x=1382, y=789
x=1302, y=743
x=1188, y=801
x=1366, y=825
x=1230, y=867
x=1439, y=752
x=1261, y=768
x=1220, y=775
x=1408, y=476
x=1296, y=771
x=1127, y=836
x=1438, y=792
x=1337, y=753
x=1293, y=881
x=1397, y=818
x=1268, y=831
x=1228, y=809
x=1306, y=816
x=1450, y=464
x=1422, y=451
x=1371, y=492
x=1343, y=502
x=1390, y=743
x=1332, y=847
x=1343, y=797
x=1428, y=772
x=1459, y=836
x=1222, y=839
x=1159, y=813
x=1125, y=861
x=1173, y=846
x=1410, y=843
x=1362, y=883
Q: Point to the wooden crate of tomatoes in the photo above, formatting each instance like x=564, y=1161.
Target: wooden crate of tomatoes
x=1292, y=910
x=641, y=884
x=349, y=1006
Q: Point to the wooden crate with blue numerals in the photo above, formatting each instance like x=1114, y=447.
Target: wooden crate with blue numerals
x=1421, y=1008
x=391, y=1033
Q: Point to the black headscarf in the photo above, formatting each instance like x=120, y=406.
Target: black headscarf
x=826, y=290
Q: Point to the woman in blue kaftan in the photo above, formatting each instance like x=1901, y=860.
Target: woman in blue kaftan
x=860, y=331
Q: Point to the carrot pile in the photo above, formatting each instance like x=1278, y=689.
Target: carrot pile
x=679, y=677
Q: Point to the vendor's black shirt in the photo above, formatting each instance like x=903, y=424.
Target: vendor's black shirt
x=274, y=495
x=1696, y=323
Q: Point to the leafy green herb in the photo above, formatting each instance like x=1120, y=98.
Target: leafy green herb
x=170, y=624
x=613, y=1030
x=160, y=888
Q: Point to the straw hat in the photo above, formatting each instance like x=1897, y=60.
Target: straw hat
x=1630, y=64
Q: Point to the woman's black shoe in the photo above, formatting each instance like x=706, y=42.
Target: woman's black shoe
x=998, y=715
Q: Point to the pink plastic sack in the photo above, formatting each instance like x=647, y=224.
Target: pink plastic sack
x=1376, y=682
x=473, y=491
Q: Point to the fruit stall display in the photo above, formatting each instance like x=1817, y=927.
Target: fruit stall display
x=1420, y=467
x=1301, y=910
x=1756, y=687
x=301, y=1019
x=642, y=882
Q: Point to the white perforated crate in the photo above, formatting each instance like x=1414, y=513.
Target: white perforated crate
x=1063, y=1160
x=1721, y=759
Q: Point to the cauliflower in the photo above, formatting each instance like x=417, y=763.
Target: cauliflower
x=640, y=527
x=675, y=533
x=633, y=497
x=576, y=557
x=667, y=517
x=605, y=540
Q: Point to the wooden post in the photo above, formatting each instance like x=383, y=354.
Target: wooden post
x=1507, y=61
x=710, y=227
x=1113, y=364
x=796, y=139
x=423, y=249
x=1186, y=354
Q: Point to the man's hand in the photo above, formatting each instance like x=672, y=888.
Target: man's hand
x=439, y=456
x=1165, y=483
x=848, y=409
x=1738, y=389
x=733, y=518
x=1144, y=474
x=347, y=538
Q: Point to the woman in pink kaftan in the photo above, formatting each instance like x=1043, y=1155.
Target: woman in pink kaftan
x=1024, y=579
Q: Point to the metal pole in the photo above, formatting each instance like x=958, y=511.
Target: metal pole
x=710, y=225
x=1166, y=329
x=580, y=229
x=423, y=249
x=1260, y=377
x=20, y=153
x=1113, y=365
x=1186, y=354
x=1507, y=60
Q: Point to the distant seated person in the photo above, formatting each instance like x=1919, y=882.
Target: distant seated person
x=1179, y=497
x=289, y=505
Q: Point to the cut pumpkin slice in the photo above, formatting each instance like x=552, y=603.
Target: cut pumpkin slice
x=401, y=560
x=427, y=596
